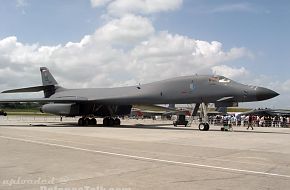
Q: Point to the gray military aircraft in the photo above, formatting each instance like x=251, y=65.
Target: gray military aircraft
x=111, y=103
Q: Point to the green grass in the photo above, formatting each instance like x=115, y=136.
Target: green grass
x=21, y=110
x=24, y=112
x=27, y=113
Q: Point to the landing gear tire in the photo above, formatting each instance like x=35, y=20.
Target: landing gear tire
x=203, y=126
x=93, y=121
x=207, y=126
x=106, y=121
x=111, y=122
x=117, y=122
x=86, y=121
x=81, y=122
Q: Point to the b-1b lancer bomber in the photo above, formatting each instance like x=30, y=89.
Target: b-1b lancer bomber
x=111, y=103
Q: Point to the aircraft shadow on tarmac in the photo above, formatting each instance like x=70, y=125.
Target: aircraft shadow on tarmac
x=143, y=126
x=136, y=126
x=72, y=125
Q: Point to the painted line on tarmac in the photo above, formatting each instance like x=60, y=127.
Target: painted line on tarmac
x=147, y=158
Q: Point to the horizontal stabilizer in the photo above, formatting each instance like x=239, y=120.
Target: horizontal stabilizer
x=28, y=89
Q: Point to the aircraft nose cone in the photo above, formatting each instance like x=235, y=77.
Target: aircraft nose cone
x=264, y=93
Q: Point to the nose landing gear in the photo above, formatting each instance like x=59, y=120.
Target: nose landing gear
x=203, y=126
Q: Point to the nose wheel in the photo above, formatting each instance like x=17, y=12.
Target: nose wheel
x=203, y=126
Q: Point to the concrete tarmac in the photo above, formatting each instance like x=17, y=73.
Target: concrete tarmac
x=48, y=154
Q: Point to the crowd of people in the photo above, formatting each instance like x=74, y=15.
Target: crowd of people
x=250, y=120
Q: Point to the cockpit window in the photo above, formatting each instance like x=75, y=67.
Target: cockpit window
x=224, y=80
x=219, y=79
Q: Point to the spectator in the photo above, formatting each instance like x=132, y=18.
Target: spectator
x=250, y=123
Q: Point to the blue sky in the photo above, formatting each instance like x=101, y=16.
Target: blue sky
x=253, y=41
x=48, y=22
x=261, y=26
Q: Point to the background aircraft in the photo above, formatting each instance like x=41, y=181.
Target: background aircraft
x=268, y=112
x=110, y=103
x=151, y=111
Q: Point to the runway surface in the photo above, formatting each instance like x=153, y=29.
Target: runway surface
x=49, y=154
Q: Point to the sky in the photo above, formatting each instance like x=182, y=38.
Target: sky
x=108, y=43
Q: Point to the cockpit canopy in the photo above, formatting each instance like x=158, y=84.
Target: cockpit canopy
x=219, y=79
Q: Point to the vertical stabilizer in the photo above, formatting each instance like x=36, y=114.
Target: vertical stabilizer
x=48, y=81
x=47, y=78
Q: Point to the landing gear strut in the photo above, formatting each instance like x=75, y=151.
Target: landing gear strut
x=204, y=125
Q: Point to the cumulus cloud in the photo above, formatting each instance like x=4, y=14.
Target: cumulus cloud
x=97, y=3
x=127, y=30
x=21, y=3
x=122, y=7
x=97, y=62
x=126, y=50
x=230, y=72
x=165, y=55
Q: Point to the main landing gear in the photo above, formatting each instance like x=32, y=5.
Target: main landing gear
x=85, y=121
x=109, y=121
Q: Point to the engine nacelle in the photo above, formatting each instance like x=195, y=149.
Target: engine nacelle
x=61, y=109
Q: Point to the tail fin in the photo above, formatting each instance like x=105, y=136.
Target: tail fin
x=48, y=82
x=49, y=85
x=47, y=78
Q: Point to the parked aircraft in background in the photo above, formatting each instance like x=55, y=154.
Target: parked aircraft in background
x=268, y=112
x=151, y=111
x=110, y=103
